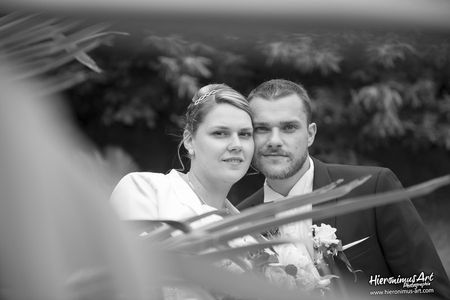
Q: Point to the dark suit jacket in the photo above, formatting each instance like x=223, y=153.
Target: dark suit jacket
x=399, y=243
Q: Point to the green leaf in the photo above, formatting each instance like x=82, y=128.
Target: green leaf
x=271, y=209
x=39, y=44
x=268, y=211
x=13, y=20
x=88, y=62
x=203, y=241
x=29, y=34
x=45, y=65
x=61, y=83
x=165, y=232
x=231, y=253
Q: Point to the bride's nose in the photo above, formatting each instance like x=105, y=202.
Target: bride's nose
x=235, y=143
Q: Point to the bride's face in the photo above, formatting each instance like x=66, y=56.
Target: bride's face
x=223, y=144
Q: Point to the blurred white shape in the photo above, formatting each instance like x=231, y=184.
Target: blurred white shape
x=410, y=12
x=59, y=236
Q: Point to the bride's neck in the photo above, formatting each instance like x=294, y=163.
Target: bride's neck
x=209, y=191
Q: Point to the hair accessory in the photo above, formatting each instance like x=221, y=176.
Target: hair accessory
x=203, y=97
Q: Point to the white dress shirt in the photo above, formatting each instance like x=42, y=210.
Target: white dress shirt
x=300, y=229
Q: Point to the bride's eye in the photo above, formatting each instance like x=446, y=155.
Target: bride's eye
x=246, y=134
x=219, y=133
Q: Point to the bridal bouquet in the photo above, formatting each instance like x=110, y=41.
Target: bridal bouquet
x=296, y=268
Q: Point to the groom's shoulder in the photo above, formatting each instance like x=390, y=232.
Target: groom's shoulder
x=350, y=172
x=253, y=200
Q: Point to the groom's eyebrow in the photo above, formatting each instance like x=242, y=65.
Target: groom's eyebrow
x=293, y=122
x=261, y=123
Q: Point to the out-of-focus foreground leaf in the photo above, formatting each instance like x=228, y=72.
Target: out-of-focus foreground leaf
x=41, y=44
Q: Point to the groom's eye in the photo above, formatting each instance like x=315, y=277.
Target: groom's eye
x=261, y=129
x=290, y=127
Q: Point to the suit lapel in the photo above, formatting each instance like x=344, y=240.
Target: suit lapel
x=255, y=199
x=322, y=178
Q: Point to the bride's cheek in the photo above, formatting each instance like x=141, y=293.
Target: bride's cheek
x=250, y=147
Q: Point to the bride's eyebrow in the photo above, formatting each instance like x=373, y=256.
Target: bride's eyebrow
x=219, y=127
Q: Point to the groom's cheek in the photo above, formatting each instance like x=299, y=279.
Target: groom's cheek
x=258, y=143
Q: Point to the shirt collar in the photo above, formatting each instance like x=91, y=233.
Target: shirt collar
x=303, y=186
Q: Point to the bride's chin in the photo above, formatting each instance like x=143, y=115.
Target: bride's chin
x=232, y=176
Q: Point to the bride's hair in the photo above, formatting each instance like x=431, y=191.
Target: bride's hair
x=204, y=100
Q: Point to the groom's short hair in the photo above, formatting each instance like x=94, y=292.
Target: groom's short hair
x=278, y=88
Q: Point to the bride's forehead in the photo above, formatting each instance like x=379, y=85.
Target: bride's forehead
x=226, y=113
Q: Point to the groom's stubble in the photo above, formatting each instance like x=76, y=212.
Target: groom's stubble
x=294, y=166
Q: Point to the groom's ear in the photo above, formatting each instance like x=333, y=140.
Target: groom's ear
x=312, y=130
x=187, y=140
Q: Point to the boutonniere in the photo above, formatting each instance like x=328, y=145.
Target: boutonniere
x=327, y=247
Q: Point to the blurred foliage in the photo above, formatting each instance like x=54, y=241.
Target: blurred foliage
x=370, y=89
x=305, y=52
x=155, y=82
x=41, y=45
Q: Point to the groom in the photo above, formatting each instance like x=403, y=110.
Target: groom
x=398, y=244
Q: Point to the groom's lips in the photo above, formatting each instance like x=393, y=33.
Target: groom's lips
x=274, y=157
x=274, y=154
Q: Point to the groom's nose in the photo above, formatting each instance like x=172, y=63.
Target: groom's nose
x=274, y=140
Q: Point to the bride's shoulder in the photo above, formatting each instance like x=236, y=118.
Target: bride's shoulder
x=138, y=178
x=141, y=185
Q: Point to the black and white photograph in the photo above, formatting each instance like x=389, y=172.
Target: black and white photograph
x=175, y=150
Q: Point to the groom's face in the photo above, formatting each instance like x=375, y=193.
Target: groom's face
x=282, y=135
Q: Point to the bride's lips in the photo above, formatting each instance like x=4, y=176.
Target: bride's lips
x=233, y=160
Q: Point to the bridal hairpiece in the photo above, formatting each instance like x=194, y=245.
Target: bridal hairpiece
x=203, y=97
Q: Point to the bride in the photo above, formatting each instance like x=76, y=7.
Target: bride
x=218, y=137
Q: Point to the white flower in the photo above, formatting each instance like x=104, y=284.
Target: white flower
x=276, y=275
x=306, y=280
x=296, y=255
x=325, y=234
x=325, y=231
x=230, y=266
